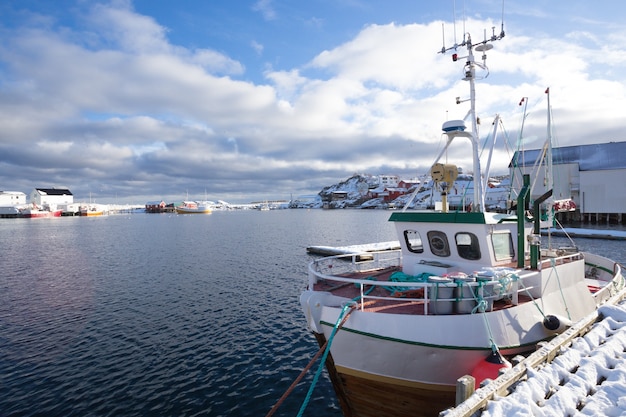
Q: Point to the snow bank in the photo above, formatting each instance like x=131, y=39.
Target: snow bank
x=587, y=379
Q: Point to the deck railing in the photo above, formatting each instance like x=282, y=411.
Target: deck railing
x=454, y=297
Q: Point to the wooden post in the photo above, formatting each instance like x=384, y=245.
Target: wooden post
x=465, y=387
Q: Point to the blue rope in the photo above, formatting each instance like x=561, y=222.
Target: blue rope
x=323, y=361
x=558, y=280
x=516, y=278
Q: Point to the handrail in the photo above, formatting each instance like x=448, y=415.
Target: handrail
x=319, y=269
x=561, y=260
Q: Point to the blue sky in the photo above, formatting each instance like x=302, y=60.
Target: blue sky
x=266, y=99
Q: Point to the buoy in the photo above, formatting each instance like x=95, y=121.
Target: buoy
x=556, y=324
x=489, y=368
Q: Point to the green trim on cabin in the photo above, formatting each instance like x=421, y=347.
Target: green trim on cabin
x=438, y=217
x=449, y=347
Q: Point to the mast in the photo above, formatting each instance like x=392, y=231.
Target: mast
x=456, y=128
x=470, y=76
x=550, y=184
x=550, y=173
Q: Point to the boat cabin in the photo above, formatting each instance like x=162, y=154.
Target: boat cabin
x=445, y=243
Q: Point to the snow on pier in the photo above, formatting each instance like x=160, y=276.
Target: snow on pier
x=353, y=249
x=581, y=372
x=590, y=233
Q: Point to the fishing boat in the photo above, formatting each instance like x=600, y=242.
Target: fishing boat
x=34, y=211
x=193, y=207
x=466, y=290
x=93, y=210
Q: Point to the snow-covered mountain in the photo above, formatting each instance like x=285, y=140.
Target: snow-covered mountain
x=359, y=190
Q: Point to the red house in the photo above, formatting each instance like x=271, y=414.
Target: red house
x=391, y=193
x=155, y=206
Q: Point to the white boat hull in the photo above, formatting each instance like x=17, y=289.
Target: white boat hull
x=428, y=353
x=200, y=210
x=192, y=207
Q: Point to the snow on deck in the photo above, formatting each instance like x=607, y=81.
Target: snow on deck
x=353, y=249
x=590, y=233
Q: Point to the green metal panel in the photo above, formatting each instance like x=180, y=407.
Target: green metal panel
x=438, y=217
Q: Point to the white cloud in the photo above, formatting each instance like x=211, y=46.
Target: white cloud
x=123, y=101
x=257, y=47
x=266, y=8
x=389, y=55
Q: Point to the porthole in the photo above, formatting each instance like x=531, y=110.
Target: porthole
x=438, y=242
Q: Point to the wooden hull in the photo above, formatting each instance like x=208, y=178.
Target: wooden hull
x=363, y=396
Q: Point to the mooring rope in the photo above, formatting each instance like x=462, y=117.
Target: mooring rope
x=345, y=312
x=481, y=307
x=519, y=281
x=558, y=280
x=340, y=320
x=296, y=381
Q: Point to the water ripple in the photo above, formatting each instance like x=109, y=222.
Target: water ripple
x=148, y=315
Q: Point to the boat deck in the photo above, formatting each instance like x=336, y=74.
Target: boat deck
x=387, y=300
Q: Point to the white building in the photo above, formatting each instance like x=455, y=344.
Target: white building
x=52, y=197
x=385, y=181
x=12, y=198
x=592, y=175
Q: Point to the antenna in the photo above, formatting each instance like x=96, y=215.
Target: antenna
x=454, y=19
x=502, y=22
x=464, y=20
x=481, y=46
x=469, y=71
x=443, y=40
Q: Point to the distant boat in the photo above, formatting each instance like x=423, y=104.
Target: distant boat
x=194, y=207
x=8, y=212
x=93, y=210
x=34, y=211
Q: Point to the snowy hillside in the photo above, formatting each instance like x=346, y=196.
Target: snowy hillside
x=359, y=191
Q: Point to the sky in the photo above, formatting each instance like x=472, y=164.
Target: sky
x=136, y=101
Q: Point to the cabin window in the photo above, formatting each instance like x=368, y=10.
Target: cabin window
x=502, y=246
x=467, y=246
x=438, y=242
x=413, y=241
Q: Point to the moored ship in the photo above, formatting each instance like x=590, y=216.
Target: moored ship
x=466, y=289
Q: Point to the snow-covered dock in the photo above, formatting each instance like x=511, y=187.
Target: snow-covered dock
x=590, y=233
x=394, y=244
x=353, y=249
x=581, y=372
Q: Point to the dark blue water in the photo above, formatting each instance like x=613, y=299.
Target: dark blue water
x=150, y=314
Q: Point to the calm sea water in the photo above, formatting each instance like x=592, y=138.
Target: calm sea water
x=157, y=314
x=173, y=315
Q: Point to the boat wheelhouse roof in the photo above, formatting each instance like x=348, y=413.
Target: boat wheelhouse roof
x=451, y=217
x=594, y=157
